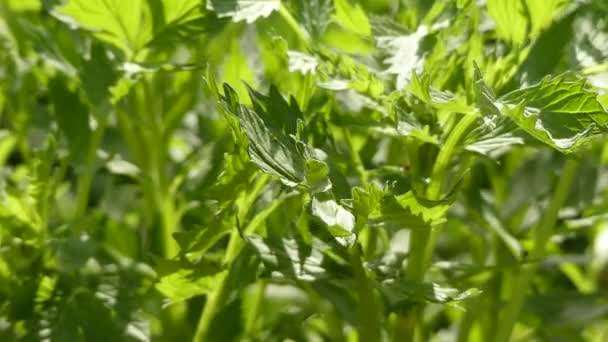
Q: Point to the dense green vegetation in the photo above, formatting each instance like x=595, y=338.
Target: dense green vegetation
x=303, y=170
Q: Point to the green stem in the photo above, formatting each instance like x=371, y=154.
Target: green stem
x=302, y=35
x=542, y=233
x=368, y=308
x=152, y=107
x=236, y=242
x=596, y=69
x=420, y=248
x=465, y=325
x=217, y=297
x=214, y=302
x=440, y=168
x=169, y=222
x=422, y=239
x=255, y=308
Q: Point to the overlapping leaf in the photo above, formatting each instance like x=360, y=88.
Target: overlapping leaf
x=407, y=210
x=133, y=25
x=273, y=151
x=293, y=259
x=560, y=113
x=352, y=17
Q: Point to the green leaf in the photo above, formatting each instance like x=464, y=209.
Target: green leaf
x=98, y=74
x=365, y=201
x=404, y=58
x=73, y=119
x=180, y=21
x=484, y=95
x=317, y=176
x=272, y=151
x=24, y=5
x=340, y=72
x=399, y=292
x=560, y=113
x=201, y=239
x=542, y=13
x=406, y=54
x=555, y=39
x=409, y=211
x=447, y=101
x=244, y=10
x=7, y=143
x=352, y=17
x=185, y=284
x=431, y=212
x=314, y=15
x=84, y=317
x=302, y=63
x=510, y=18
x=340, y=222
x=292, y=259
x=277, y=114
x=121, y=23
x=271, y=129
x=134, y=25
x=495, y=137
x=493, y=146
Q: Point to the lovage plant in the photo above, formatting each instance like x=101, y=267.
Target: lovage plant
x=303, y=170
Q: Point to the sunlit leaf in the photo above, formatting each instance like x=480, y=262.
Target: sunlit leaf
x=244, y=10
x=185, y=284
x=561, y=113
x=114, y=21
x=352, y=17
x=510, y=19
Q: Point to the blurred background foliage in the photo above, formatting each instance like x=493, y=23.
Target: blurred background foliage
x=142, y=200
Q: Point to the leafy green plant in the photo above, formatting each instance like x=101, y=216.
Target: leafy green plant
x=290, y=170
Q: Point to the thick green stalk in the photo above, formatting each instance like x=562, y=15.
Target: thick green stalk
x=440, y=168
x=142, y=127
x=169, y=223
x=542, y=233
x=420, y=248
x=422, y=240
x=153, y=109
x=368, y=308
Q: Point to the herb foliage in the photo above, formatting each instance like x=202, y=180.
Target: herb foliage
x=291, y=170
